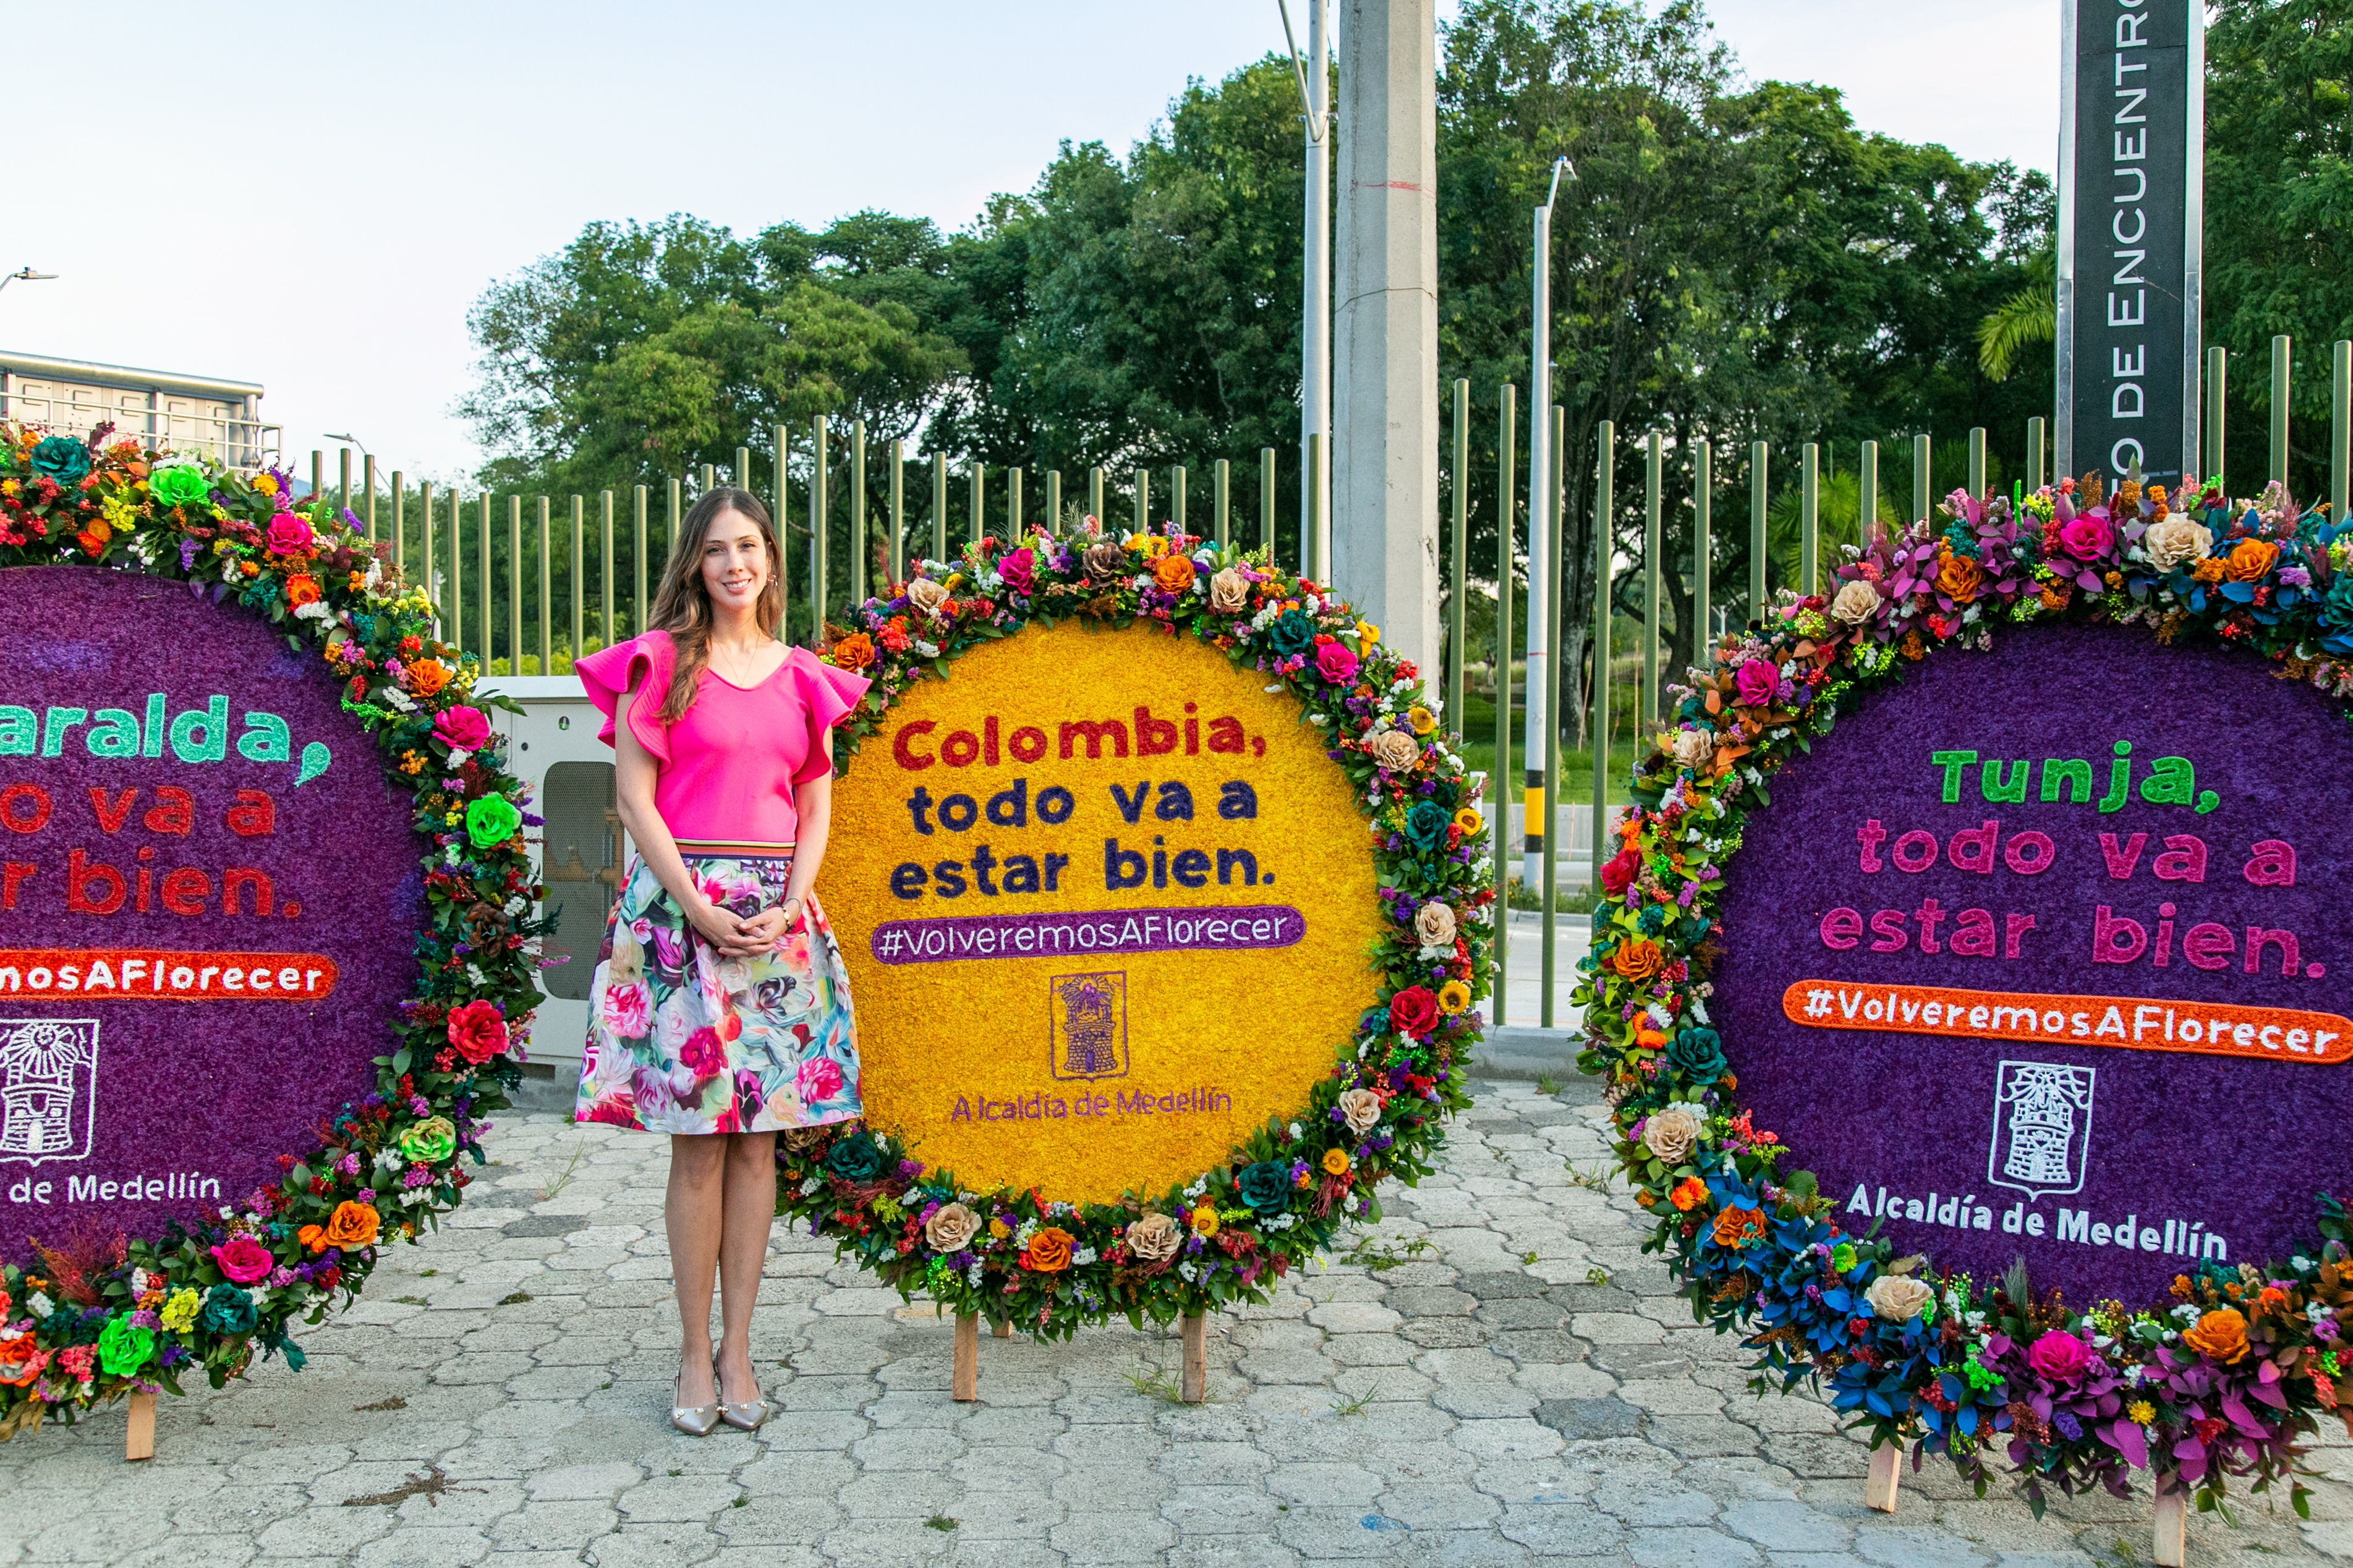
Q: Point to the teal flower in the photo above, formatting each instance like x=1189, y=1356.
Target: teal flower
x=228, y=1310
x=1293, y=632
x=1426, y=824
x=857, y=1159
x=62, y=458
x=1266, y=1186
x=1698, y=1054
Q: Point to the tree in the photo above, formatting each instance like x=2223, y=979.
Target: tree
x=640, y=351
x=2279, y=214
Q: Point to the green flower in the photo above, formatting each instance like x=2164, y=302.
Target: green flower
x=429, y=1141
x=62, y=458
x=1843, y=1256
x=491, y=820
x=183, y=484
x=124, y=1346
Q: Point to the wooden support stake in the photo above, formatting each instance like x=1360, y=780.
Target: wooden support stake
x=1887, y=1471
x=1003, y=1331
x=2172, y=1548
x=967, y=1358
x=139, y=1439
x=1197, y=1358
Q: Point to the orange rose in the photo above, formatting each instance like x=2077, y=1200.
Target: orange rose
x=2222, y=1334
x=1739, y=1225
x=301, y=590
x=1958, y=578
x=2251, y=560
x=1638, y=960
x=426, y=676
x=351, y=1225
x=1174, y=572
x=21, y=1359
x=1049, y=1251
x=855, y=651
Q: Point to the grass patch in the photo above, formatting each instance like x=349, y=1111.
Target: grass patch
x=1596, y=1179
x=395, y=1402
x=1154, y=1383
x=1343, y=1405
x=1597, y=1275
x=563, y=1177
x=1382, y=1256
x=939, y=1522
x=516, y=1299
x=1548, y=1084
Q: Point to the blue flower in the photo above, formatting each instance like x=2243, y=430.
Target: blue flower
x=1293, y=632
x=62, y=458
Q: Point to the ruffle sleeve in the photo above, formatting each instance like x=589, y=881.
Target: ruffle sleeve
x=642, y=663
x=828, y=696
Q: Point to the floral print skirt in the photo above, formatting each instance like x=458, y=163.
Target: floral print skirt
x=684, y=1040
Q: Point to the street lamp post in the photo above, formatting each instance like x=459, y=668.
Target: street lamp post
x=26, y=275
x=1315, y=79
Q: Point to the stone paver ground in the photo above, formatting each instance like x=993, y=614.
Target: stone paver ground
x=1516, y=1383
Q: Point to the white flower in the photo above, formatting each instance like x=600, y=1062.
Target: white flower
x=1191, y=1271
x=458, y=755
x=314, y=611
x=39, y=1304
x=1898, y=1298
x=139, y=1281
x=925, y=649
x=2175, y=540
x=810, y=1187
x=393, y=696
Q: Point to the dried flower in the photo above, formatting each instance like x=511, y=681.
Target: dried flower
x=1433, y=924
x=1898, y=1297
x=1360, y=1109
x=1671, y=1133
x=950, y=1227
x=1153, y=1237
x=1856, y=602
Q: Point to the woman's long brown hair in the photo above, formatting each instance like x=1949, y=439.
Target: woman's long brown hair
x=682, y=605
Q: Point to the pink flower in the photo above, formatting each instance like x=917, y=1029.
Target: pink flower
x=2087, y=536
x=820, y=1079
x=2059, y=1356
x=477, y=1031
x=243, y=1259
x=1335, y=663
x=628, y=1011
x=1020, y=569
x=703, y=1055
x=1758, y=681
x=76, y=1360
x=289, y=534
x=462, y=729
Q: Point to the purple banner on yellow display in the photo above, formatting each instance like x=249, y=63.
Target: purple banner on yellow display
x=962, y=937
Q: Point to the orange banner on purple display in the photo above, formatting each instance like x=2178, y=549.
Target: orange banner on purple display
x=144, y=974
x=2131, y=1023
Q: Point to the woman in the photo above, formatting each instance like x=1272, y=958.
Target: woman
x=720, y=1009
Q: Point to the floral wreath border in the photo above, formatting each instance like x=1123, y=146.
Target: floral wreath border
x=107, y=1315
x=2219, y=1381
x=1015, y=1256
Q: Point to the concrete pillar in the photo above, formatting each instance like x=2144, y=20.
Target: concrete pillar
x=1384, y=524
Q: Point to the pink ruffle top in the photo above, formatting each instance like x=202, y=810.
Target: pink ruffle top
x=729, y=764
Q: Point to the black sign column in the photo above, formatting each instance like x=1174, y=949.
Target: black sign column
x=2131, y=178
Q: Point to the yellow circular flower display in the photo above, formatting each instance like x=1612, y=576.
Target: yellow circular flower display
x=1106, y=906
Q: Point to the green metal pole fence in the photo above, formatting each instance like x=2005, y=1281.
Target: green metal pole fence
x=1758, y=474
x=1605, y=506
x=1653, y=547
x=1499, y=778
x=1458, y=555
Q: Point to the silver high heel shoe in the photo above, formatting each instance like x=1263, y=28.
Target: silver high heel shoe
x=745, y=1416
x=695, y=1420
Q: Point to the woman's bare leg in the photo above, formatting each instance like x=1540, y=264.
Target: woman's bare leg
x=692, y=1212
x=751, y=1214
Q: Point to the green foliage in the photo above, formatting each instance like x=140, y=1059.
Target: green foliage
x=2279, y=216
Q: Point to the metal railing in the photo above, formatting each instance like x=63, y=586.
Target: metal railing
x=591, y=559
x=245, y=444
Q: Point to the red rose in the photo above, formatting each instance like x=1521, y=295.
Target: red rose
x=477, y=1031
x=1413, y=1011
x=1617, y=873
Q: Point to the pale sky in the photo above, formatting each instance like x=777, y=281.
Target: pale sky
x=311, y=197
